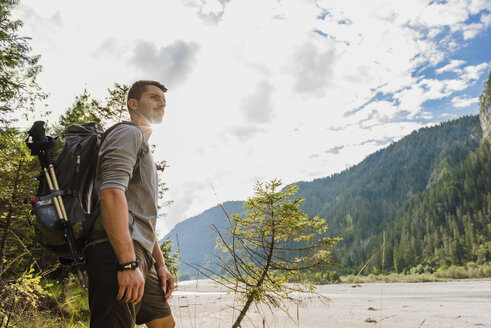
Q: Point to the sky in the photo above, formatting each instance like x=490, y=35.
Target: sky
x=263, y=89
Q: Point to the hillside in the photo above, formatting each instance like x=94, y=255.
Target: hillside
x=195, y=238
x=429, y=192
x=363, y=201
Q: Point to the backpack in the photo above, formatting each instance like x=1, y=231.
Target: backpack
x=75, y=156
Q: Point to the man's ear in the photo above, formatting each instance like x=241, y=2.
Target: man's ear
x=133, y=103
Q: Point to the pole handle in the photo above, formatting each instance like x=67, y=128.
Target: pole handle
x=38, y=132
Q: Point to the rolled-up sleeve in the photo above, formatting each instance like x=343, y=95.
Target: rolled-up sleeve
x=117, y=156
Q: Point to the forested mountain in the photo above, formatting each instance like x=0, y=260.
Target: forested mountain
x=410, y=189
x=430, y=192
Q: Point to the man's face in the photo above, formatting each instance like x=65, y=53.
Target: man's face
x=151, y=105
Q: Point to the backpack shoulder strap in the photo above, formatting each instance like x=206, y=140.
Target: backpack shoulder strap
x=115, y=126
x=144, y=148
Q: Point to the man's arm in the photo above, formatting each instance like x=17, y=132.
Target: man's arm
x=114, y=211
x=162, y=271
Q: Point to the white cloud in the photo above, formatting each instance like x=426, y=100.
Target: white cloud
x=486, y=19
x=172, y=63
x=212, y=7
x=461, y=102
x=257, y=107
x=474, y=72
x=385, y=110
x=313, y=68
x=476, y=6
x=453, y=66
x=426, y=115
x=443, y=14
x=244, y=133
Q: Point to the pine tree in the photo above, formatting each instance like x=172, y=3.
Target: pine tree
x=269, y=245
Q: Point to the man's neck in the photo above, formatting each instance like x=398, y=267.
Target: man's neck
x=143, y=125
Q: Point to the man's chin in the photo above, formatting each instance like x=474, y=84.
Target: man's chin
x=157, y=120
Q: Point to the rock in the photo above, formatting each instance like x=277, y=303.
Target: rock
x=485, y=117
x=485, y=110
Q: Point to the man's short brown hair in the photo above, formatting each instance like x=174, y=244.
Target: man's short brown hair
x=137, y=88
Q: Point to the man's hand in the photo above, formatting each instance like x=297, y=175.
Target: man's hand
x=166, y=279
x=131, y=285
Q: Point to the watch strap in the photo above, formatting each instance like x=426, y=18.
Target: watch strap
x=128, y=265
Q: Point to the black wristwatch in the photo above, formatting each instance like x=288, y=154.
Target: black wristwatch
x=128, y=266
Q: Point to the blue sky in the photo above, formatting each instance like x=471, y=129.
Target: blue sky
x=473, y=52
x=262, y=89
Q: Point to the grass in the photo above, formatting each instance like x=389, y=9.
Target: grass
x=42, y=319
x=469, y=271
x=32, y=302
x=74, y=300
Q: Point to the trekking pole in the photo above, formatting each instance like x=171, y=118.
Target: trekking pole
x=40, y=146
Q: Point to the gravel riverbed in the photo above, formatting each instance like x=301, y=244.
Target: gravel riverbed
x=463, y=303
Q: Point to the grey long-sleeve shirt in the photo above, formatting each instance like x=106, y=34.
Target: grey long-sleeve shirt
x=119, y=166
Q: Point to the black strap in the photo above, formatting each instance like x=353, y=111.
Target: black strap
x=51, y=195
x=129, y=265
x=143, y=150
x=88, y=223
x=115, y=126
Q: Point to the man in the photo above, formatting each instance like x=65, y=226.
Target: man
x=128, y=281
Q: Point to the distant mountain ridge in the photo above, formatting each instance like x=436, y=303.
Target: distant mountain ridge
x=195, y=239
x=408, y=181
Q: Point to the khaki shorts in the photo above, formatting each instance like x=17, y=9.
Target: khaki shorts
x=105, y=310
